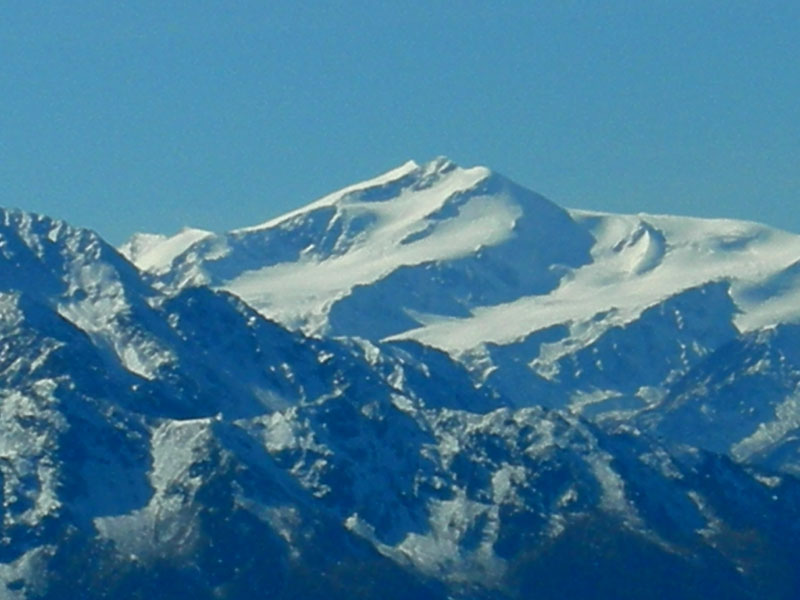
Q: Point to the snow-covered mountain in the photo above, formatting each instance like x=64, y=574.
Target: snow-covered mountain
x=433, y=384
x=596, y=312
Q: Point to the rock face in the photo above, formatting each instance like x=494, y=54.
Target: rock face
x=433, y=384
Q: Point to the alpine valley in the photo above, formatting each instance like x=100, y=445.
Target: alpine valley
x=435, y=384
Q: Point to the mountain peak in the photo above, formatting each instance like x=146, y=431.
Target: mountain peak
x=466, y=257
x=414, y=218
x=440, y=164
x=386, y=186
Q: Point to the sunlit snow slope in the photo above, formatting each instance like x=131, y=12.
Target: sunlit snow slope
x=460, y=257
x=520, y=290
x=438, y=240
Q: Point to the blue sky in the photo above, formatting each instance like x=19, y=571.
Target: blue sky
x=130, y=116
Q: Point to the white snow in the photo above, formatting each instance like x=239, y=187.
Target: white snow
x=636, y=262
x=98, y=312
x=439, y=551
x=27, y=568
x=156, y=253
x=632, y=271
x=167, y=519
x=771, y=433
x=290, y=292
x=27, y=464
x=331, y=199
x=139, y=244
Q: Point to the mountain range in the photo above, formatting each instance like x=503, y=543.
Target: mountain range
x=432, y=384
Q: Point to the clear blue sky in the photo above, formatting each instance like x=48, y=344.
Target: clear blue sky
x=150, y=115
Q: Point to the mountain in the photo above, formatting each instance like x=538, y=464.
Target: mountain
x=596, y=313
x=433, y=384
x=439, y=240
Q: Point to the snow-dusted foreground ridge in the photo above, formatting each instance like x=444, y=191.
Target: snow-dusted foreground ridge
x=433, y=384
